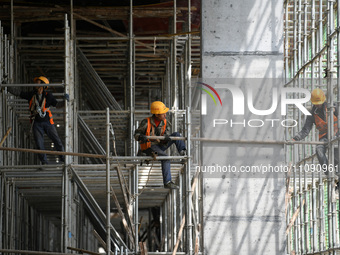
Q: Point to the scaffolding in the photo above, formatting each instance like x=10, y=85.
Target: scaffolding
x=104, y=196
x=312, y=61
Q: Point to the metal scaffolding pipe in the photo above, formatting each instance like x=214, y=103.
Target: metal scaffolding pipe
x=174, y=82
x=65, y=181
x=338, y=96
x=108, y=185
x=286, y=58
x=131, y=77
x=36, y=252
x=330, y=133
x=189, y=240
x=136, y=219
x=179, y=111
x=310, y=233
x=3, y=85
x=239, y=141
x=314, y=244
x=162, y=138
x=70, y=191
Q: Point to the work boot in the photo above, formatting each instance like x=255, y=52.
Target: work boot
x=171, y=185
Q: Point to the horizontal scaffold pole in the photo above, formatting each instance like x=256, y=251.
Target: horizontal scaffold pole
x=34, y=252
x=32, y=85
x=136, y=158
x=202, y=139
x=89, y=155
x=53, y=152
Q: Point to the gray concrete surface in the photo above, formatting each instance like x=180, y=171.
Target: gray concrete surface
x=243, y=212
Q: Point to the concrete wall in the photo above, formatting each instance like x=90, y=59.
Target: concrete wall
x=242, y=45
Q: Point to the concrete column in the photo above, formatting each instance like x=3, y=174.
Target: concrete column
x=242, y=50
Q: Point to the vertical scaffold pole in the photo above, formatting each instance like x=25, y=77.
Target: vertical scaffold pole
x=65, y=191
x=338, y=98
x=131, y=76
x=288, y=244
x=108, y=184
x=3, y=104
x=303, y=191
x=188, y=71
x=296, y=246
x=188, y=187
x=321, y=184
x=330, y=109
x=136, y=207
x=314, y=246
x=174, y=67
x=294, y=72
x=11, y=49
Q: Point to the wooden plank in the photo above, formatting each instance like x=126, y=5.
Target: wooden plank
x=4, y=138
x=292, y=220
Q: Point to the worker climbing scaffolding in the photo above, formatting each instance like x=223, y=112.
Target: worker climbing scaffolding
x=157, y=125
x=319, y=117
x=41, y=117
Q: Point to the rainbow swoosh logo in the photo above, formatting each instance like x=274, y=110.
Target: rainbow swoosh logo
x=209, y=93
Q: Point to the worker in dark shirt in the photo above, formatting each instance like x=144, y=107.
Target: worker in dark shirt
x=319, y=118
x=157, y=125
x=41, y=117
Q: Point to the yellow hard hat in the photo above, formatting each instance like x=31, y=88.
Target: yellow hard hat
x=318, y=97
x=158, y=107
x=43, y=79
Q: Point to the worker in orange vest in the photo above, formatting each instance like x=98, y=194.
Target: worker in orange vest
x=157, y=125
x=41, y=117
x=319, y=118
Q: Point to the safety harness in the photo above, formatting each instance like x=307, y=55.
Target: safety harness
x=37, y=109
x=321, y=125
x=151, y=130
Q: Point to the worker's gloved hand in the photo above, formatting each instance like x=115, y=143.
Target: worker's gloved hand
x=67, y=97
x=142, y=138
x=296, y=138
x=167, y=138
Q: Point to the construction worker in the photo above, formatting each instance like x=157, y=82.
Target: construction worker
x=41, y=117
x=319, y=118
x=157, y=125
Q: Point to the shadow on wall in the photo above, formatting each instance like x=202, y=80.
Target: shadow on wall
x=246, y=35
x=243, y=212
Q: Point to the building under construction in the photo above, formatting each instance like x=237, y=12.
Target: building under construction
x=113, y=59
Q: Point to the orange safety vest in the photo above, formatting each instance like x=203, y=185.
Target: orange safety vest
x=321, y=125
x=150, y=129
x=32, y=105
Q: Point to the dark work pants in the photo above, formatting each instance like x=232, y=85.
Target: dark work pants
x=39, y=128
x=160, y=150
x=321, y=154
